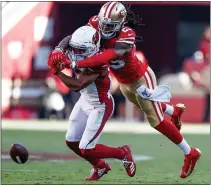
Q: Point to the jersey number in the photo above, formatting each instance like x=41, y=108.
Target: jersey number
x=125, y=29
x=117, y=64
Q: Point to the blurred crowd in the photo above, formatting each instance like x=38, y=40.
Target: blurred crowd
x=201, y=77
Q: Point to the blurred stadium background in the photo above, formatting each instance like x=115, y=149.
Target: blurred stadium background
x=176, y=45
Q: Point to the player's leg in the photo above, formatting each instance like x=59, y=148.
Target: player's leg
x=95, y=124
x=170, y=110
x=76, y=126
x=89, y=147
x=129, y=95
x=175, y=112
x=155, y=117
x=132, y=98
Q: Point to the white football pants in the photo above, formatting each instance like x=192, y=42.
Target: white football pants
x=86, y=122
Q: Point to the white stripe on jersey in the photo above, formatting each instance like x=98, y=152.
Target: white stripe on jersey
x=127, y=42
x=130, y=38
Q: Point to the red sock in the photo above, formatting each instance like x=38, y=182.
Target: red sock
x=163, y=105
x=169, y=130
x=103, y=151
x=74, y=146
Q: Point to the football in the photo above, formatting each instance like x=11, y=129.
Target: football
x=19, y=153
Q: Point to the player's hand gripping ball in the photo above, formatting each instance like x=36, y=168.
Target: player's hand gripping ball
x=19, y=153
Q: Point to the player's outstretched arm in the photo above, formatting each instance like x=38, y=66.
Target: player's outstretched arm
x=105, y=57
x=77, y=84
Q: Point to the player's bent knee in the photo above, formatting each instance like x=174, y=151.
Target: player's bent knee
x=151, y=116
x=153, y=121
x=83, y=152
x=86, y=145
x=87, y=148
x=69, y=144
x=87, y=152
x=72, y=145
x=71, y=137
x=68, y=137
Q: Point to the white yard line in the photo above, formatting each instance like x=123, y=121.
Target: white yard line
x=111, y=126
x=18, y=170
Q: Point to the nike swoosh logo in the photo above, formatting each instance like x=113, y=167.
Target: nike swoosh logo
x=130, y=34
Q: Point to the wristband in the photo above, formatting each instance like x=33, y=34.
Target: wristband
x=57, y=48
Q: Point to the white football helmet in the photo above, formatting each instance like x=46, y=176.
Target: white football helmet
x=111, y=17
x=85, y=42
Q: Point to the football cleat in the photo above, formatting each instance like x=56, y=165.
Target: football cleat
x=128, y=162
x=97, y=173
x=190, y=162
x=175, y=118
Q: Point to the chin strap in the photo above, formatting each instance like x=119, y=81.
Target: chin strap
x=57, y=48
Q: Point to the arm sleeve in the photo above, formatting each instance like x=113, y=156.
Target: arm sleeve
x=98, y=60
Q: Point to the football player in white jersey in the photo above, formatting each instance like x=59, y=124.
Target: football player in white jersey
x=94, y=107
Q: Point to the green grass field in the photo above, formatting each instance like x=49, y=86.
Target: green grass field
x=163, y=168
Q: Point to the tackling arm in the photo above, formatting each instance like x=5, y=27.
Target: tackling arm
x=77, y=84
x=106, y=56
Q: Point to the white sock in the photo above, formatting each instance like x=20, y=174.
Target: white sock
x=169, y=110
x=184, y=146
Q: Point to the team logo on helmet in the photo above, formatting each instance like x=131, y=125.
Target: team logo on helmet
x=122, y=14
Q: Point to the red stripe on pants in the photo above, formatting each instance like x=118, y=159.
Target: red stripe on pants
x=109, y=105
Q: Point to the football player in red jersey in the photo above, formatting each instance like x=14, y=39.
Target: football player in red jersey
x=93, y=108
x=132, y=75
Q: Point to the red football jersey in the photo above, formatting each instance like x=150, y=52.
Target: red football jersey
x=128, y=68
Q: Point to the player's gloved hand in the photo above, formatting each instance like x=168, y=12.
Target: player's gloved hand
x=57, y=55
x=52, y=65
x=58, y=65
x=54, y=70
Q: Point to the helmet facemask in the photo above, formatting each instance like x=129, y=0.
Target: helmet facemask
x=85, y=42
x=77, y=53
x=109, y=29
